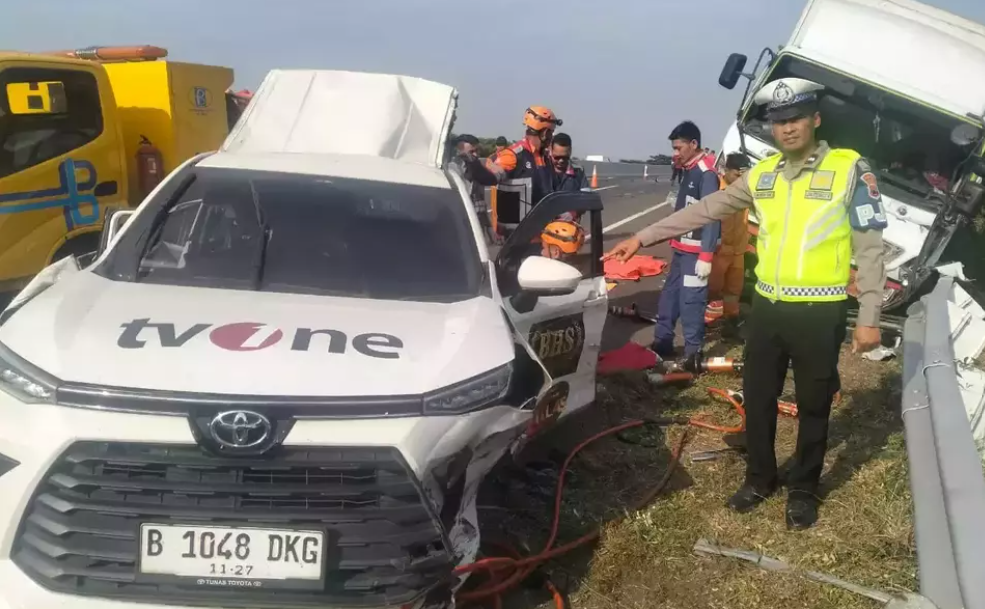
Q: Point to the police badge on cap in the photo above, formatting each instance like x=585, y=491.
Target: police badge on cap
x=788, y=98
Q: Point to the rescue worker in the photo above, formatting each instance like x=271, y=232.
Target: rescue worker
x=568, y=177
x=685, y=293
x=467, y=151
x=817, y=207
x=501, y=143
x=522, y=173
x=562, y=240
x=728, y=267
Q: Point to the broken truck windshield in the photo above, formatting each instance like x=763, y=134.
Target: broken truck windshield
x=314, y=235
x=907, y=143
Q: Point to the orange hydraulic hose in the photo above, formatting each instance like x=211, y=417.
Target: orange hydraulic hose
x=523, y=567
x=731, y=398
x=516, y=569
x=670, y=377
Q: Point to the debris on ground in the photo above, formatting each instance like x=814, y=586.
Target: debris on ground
x=646, y=561
x=703, y=547
x=879, y=354
x=967, y=319
x=629, y=357
x=711, y=455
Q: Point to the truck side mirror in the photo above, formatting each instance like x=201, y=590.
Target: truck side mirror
x=732, y=70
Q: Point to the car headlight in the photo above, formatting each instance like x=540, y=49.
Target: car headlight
x=23, y=381
x=472, y=394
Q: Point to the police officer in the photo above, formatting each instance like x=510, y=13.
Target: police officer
x=817, y=206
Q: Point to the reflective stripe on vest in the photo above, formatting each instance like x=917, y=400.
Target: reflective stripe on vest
x=804, y=243
x=528, y=182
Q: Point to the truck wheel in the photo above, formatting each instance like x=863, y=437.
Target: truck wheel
x=83, y=244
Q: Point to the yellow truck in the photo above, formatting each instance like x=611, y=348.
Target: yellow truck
x=86, y=131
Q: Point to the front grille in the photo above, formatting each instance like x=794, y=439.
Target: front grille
x=79, y=534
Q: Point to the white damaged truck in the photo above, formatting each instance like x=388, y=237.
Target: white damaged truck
x=905, y=87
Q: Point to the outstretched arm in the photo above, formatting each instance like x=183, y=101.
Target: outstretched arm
x=716, y=206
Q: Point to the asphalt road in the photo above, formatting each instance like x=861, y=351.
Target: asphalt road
x=632, y=203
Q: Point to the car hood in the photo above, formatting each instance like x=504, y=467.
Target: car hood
x=88, y=329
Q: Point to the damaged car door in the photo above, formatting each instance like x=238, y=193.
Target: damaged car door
x=558, y=306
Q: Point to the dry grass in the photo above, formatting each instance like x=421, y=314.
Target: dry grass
x=646, y=560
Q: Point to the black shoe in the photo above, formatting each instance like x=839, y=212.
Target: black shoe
x=663, y=351
x=747, y=498
x=801, y=510
x=731, y=329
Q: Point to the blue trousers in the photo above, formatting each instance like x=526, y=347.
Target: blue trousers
x=684, y=297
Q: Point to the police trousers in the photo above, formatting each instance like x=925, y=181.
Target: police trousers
x=810, y=336
x=684, y=297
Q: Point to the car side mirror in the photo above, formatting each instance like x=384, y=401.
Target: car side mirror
x=732, y=70
x=542, y=276
x=113, y=223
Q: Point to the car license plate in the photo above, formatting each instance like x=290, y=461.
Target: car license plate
x=232, y=556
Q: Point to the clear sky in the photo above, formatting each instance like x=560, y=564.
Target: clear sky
x=621, y=73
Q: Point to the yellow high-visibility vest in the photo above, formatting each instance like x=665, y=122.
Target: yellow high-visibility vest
x=804, y=243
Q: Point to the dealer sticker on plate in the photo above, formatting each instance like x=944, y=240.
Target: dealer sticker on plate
x=233, y=556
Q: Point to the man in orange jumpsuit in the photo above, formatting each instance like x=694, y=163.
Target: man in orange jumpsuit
x=728, y=266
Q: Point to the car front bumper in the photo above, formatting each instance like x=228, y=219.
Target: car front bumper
x=39, y=437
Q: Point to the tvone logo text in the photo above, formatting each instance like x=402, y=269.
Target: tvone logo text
x=252, y=336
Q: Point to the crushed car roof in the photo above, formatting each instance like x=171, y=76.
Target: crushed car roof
x=331, y=112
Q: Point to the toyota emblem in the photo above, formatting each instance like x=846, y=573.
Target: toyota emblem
x=240, y=429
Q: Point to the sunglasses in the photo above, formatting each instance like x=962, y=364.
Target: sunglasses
x=562, y=158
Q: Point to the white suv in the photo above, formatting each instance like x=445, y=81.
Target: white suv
x=284, y=375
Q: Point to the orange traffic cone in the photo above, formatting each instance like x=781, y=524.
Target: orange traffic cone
x=595, y=176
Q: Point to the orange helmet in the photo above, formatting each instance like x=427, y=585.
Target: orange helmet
x=562, y=238
x=539, y=118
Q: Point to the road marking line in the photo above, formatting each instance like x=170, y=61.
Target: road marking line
x=616, y=225
x=605, y=188
x=646, y=211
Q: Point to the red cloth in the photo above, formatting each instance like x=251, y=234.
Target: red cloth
x=634, y=268
x=630, y=356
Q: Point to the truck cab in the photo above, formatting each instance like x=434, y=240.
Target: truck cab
x=900, y=90
x=78, y=133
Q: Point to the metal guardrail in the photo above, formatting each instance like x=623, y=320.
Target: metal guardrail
x=946, y=477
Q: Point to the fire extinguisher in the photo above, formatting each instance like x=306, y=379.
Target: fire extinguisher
x=150, y=166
